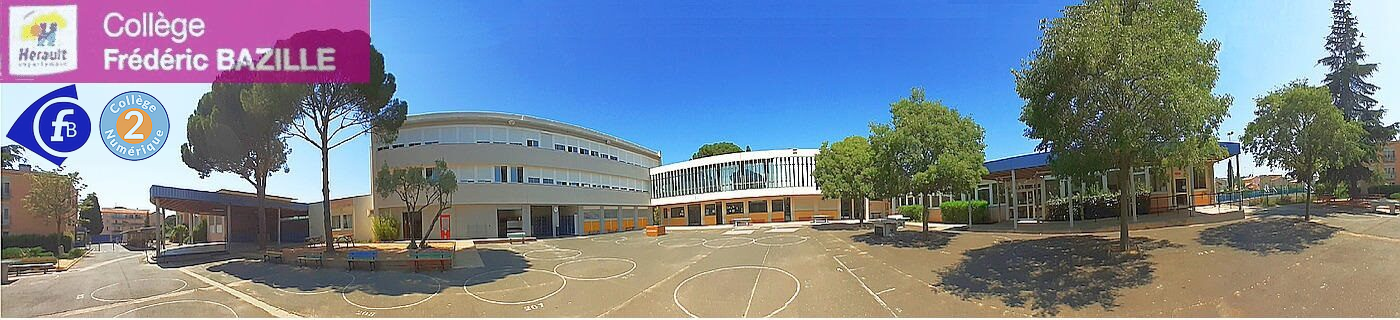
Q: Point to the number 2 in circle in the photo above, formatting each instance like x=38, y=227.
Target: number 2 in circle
x=131, y=134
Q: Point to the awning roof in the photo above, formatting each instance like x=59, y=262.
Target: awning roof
x=1042, y=159
x=206, y=202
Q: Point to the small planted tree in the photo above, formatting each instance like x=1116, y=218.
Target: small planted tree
x=1121, y=85
x=926, y=148
x=418, y=188
x=1297, y=129
x=843, y=169
x=54, y=197
x=90, y=214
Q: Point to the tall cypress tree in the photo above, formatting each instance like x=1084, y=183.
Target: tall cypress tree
x=1351, y=93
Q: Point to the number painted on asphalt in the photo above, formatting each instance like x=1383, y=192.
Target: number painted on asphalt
x=364, y=313
x=534, y=307
x=80, y=296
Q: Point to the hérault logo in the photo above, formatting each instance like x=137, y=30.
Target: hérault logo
x=53, y=126
x=43, y=40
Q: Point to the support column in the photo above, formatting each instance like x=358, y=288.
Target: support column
x=279, y=226
x=524, y=220
x=228, y=213
x=1015, y=193
x=554, y=212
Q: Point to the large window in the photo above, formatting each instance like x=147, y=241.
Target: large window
x=677, y=212
x=779, y=172
x=344, y=221
x=733, y=207
x=779, y=205
x=758, y=206
x=501, y=173
x=711, y=209
x=1202, y=178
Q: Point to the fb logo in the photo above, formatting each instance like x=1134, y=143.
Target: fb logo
x=52, y=129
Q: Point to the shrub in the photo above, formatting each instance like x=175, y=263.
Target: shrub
x=385, y=228
x=1384, y=189
x=18, y=253
x=957, y=211
x=201, y=232
x=49, y=242
x=915, y=213
x=76, y=252
x=1394, y=196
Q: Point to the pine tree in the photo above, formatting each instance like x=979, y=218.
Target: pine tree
x=1351, y=93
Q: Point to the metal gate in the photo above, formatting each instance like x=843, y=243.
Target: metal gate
x=539, y=226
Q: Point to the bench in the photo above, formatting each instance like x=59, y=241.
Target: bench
x=431, y=260
x=743, y=222
x=320, y=260
x=269, y=255
x=44, y=267
x=512, y=236
x=312, y=241
x=360, y=256
x=821, y=220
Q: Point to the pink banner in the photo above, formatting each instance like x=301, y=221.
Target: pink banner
x=166, y=41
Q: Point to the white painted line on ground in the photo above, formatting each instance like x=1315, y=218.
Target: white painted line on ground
x=867, y=288
x=274, y=311
x=754, y=291
x=884, y=291
x=781, y=230
x=737, y=232
x=99, y=264
x=71, y=313
x=226, y=307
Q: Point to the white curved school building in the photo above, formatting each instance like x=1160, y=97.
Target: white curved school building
x=762, y=186
x=515, y=173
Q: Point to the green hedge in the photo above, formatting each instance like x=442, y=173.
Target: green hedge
x=957, y=211
x=16, y=253
x=914, y=213
x=385, y=228
x=1384, y=189
x=50, y=242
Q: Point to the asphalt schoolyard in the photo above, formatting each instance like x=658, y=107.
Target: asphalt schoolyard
x=1340, y=264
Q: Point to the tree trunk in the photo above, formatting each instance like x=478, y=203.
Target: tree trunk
x=1125, y=201
x=924, y=217
x=423, y=240
x=326, y=197
x=1307, y=201
x=262, y=210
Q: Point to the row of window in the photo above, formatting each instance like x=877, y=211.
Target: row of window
x=779, y=172
x=340, y=222
x=546, y=176
x=515, y=136
x=996, y=193
x=753, y=206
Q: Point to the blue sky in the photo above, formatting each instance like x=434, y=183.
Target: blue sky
x=672, y=76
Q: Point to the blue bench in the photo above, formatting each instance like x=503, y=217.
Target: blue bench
x=433, y=260
x=361, y=256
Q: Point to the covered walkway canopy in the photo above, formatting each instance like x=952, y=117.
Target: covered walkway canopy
x=284, y=217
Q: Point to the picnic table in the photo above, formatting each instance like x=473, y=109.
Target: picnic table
x=360, y=256
x=743, y=222
x=268, y=255
x=432, y=260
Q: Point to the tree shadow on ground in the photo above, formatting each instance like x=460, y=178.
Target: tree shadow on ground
x=932, y=240
x=1318, y=210
x=839, y=227
x=496, y=265
x=192, y=259
x=285, y=277
x=1268, y=236
x=1044, y=274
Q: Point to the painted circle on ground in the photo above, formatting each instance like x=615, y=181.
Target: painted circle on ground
x=182, y=308
x=392, y=287
x=615, y=239
x=510, y=283
x=522, y=248
x=584, y=269
x=780, y=240
x=728, y=242
x=552, y=254
x=681, y=242
x=797, y=288
x=316, y=280
x=148, y=288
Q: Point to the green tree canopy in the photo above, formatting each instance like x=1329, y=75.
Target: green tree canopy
x=926, y=148
x=715, y=149
x=844, y=169
x=1351, y=93
x=1122, y=84
x=12, y=155
x=90, y=213
x=1296, y=128
x=53, y=197
x=418, y=188
x=241, y=129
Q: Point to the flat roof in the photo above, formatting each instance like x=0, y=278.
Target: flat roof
x=1042, y=159
x=196, y=201
x=514, y=119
